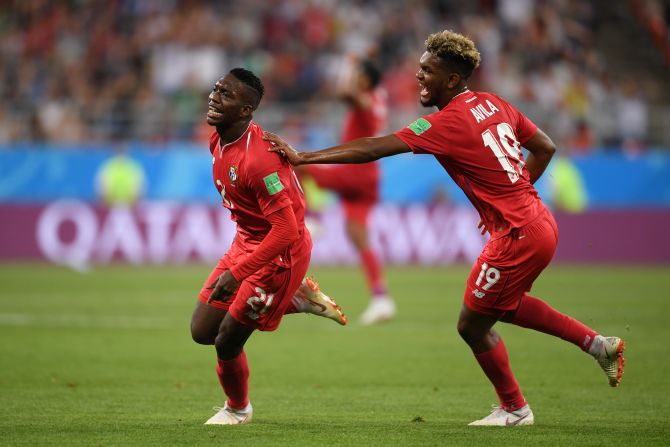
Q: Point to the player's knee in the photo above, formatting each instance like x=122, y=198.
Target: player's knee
x=462, y=328
x=225, y=348
x=201, y=336
x=466, y=331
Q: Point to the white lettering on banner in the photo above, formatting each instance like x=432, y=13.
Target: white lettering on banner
x=77, y=252
x=331, y=245
x=120, y=234
x=195, y=235
x=159, y=232
x=158, y=217
x=462, y=241
x=429, y=240
x=401, y=235
x=389, y=236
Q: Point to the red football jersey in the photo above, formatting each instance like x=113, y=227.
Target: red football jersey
x=254, y=183
x=368, y=122
x=477, y=138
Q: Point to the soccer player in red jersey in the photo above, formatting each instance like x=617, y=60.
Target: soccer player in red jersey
x=477, y=138
x=358, y=186
x=260, y=278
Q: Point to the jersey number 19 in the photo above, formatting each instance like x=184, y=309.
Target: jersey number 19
x=510, y=157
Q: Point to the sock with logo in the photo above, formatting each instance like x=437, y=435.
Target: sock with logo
x=495, y=364
x=373, y=272
x=534, y=313
x=234, y=378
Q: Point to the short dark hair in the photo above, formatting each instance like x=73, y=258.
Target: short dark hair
x=371, y=71
x=250, y=80
x=459, y=52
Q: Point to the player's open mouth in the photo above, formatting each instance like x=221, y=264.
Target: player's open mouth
x=424, y=90
x=213, y=113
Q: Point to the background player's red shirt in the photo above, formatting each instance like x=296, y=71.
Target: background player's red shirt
x=367, y=122
x=254, y=183
x=477, y=138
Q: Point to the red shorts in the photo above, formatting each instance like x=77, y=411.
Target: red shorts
x=262, y=298
x=357, y=186
x=508, y=266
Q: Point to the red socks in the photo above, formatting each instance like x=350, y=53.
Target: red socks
x=373, y=272
x=495, y=364
x=535, y=314
x=234, y=378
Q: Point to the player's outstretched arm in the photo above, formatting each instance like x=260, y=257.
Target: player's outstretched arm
x=541, y=150
x=362, y=150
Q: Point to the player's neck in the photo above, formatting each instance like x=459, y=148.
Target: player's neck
x=233, y=132
x=457, y=92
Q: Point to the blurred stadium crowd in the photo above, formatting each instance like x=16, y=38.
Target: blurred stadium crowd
x=82, y=71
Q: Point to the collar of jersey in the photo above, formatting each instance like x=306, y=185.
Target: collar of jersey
x=467, y=90
x=222, y=148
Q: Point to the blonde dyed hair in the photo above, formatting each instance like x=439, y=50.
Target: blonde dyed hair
x=455, y=49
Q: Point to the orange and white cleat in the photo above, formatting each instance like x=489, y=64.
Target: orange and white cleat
x=609, y=355
x=310, y=299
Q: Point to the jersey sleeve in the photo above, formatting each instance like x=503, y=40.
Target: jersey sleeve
x=424, y=136
x=268, y=179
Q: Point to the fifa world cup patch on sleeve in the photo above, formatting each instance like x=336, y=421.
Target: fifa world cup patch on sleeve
x=419, y=126
x=273, y=184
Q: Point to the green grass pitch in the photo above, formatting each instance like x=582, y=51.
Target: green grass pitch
x=105, y=358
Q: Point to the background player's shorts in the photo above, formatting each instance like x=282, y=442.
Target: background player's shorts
x=356, y=185
x=508, y=266
x=262, y=298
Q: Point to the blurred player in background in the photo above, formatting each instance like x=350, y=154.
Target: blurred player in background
x=477, y=138
x=358, y=186
x=260, y=278
x=120, y=181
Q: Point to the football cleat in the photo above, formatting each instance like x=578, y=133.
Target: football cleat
x=379, y=309
x=609, y=355
x=230, y=416
x=500, y=417
x=310, y=299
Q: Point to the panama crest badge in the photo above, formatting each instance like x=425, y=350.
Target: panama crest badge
x=232, y=173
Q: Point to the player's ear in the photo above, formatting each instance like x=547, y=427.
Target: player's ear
x=453, y=79
x=246, y=111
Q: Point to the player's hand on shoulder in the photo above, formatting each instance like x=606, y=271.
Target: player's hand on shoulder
x=224, y=287
x=283, y=148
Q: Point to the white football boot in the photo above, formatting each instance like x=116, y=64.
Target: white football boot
x=499, y=417
x=608, y=352
x=379, y=309
x=230, y=416
x=310, y=299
